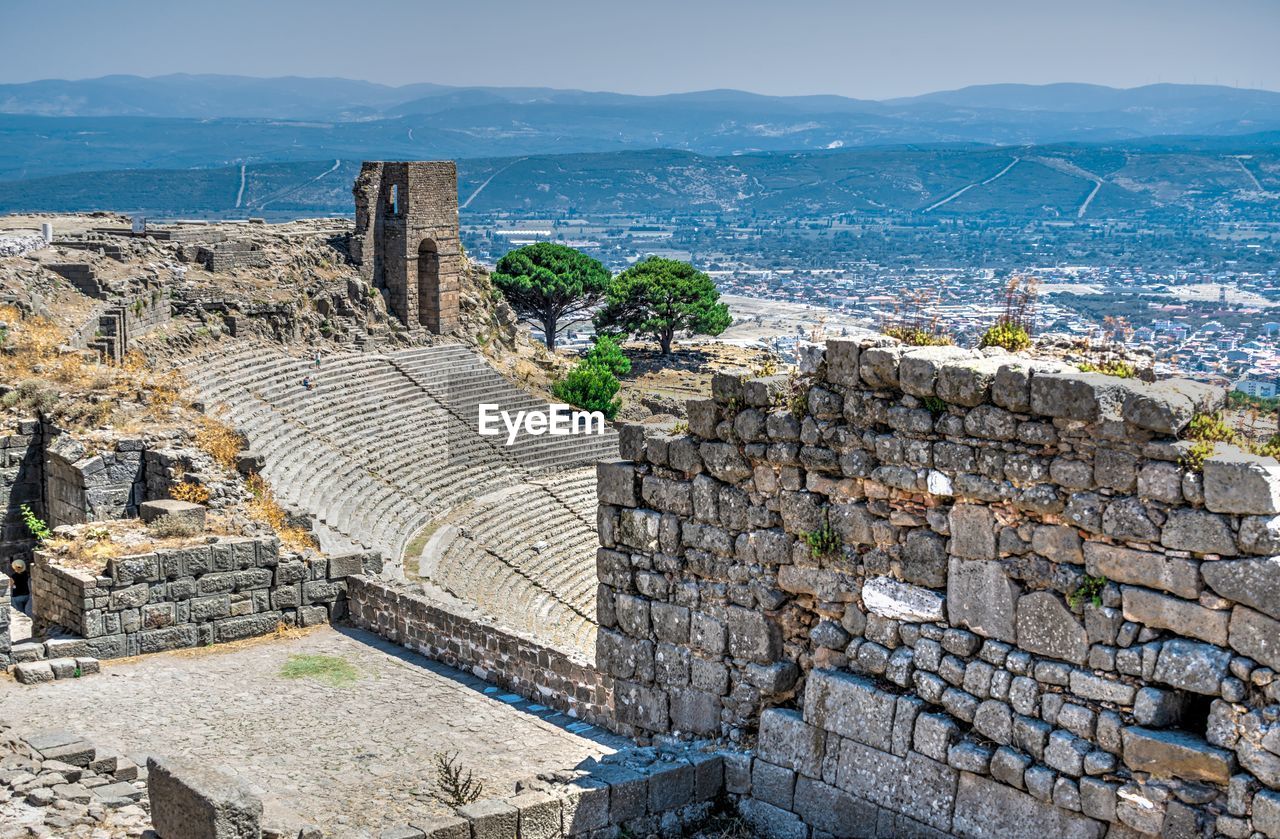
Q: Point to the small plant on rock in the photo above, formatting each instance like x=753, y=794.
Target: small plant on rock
x=456, y=782
x=1089, y=591
x=934, y=405
x=36, y=526
x=1117, y=368
x=822, y=542
x=1011, y=336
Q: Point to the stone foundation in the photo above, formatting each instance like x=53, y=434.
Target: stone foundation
x=231, y=589
x=952, y=593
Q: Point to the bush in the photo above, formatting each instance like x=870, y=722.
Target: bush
x=607, y=354
x=173, y=527
x=1011, y=336
x=591, y=388
x=918, y=337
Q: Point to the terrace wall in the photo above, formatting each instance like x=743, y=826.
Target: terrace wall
x=947, y=592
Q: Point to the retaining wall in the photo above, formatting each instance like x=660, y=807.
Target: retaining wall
x=191, y=596
x=953, y=593
x=434, y=629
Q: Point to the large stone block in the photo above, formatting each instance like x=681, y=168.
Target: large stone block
x=1181, y=616
x=973, y=532
x=538, y=815
x=616, y=482
x=492, y=818
x=189, y=801
x=787, y=740
x=850, y=706
x=1176, y=754
x=981, y=596
x=1143, y=568
x=1198, y=531
x=827, y=808
x=1046, y=626
x=900, y=601
x=915, y=786
x=1255, y=635
x=987, y=809
x=1253, y=582
x=1189, y=665
x=968, y=383
x=184, y=512
x=1239, y=482
x=753, y=636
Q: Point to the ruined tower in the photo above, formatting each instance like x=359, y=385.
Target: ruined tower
x=406, y=239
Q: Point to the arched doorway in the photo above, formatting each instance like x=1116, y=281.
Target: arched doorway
x=428, y=283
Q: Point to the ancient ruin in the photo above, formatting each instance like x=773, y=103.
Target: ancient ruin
x=406, y=239
x=897, y=592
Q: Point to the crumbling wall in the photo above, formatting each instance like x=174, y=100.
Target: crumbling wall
x=82, y=485
x=229, y=589
x=952, y=592
x=20, y=483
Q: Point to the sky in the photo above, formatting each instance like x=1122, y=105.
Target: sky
x=872, y=50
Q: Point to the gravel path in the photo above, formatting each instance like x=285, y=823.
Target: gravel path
x=355, y=759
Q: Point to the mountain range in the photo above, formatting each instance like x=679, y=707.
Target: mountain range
x=54, y=126
x=228, y=145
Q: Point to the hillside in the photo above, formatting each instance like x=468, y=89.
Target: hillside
x=126, y=122
x=1226, y=178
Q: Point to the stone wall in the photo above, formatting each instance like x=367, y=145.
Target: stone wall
x=438, y=631
x=81, y=485
x=6, y=642
x=20, y=483
x=953, y=592
x=230, y=589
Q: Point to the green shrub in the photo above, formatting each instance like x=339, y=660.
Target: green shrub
x=35, y=525
x=591, y=388
x=1119, y=369
x=607, y=354
x=934, y=405
x=918, y=337
x=1013, y=337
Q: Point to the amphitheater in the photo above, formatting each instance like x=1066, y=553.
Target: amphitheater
x=384, y=451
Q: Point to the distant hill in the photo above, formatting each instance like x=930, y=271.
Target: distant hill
x=1219, y=178
x=54, y=126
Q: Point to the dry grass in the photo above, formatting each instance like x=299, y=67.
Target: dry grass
x=265, y=508
x=93, y=545
x=193, y=493
x=72, y=386
x=219, y=441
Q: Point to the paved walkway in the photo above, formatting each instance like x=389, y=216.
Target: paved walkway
x=354, y=759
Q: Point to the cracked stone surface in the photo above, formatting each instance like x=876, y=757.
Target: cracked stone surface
x=309, y=749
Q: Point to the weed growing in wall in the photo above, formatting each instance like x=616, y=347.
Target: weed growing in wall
x=822, y=542
x=1089, y=591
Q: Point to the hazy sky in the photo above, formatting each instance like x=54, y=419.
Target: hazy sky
x=850, y=47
